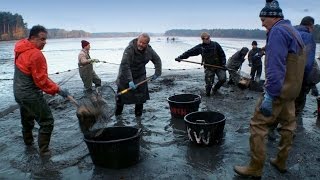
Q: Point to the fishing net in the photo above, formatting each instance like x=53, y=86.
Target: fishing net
x=95, y=110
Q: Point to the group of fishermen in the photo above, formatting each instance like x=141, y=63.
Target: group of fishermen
x=214, y=62
x=287, y=70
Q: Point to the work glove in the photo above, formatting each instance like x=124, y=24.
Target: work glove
x=266, y=105
x=94, y=60
x=178, y=59
x=132, y=85
x=64, y=93
x=154, y=77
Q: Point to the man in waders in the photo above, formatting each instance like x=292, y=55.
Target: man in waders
x=132, y=70
x=85, y=63
x=284, y=67
x=234, y=64
x=212, y=54
x=29, y=82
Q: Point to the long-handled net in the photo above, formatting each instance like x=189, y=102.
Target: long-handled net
x=96, y=110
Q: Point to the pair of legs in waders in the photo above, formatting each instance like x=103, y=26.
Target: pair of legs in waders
x=284, y=114
x=88, y=77
x=209, y=79
x=39, y=111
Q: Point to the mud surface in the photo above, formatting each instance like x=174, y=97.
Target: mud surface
x=165, y=151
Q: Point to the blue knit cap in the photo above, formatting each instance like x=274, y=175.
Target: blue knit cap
x=271, y=9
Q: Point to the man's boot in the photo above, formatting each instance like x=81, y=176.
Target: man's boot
x=280, y=165
x=138, y=110
x=27, y=137
x=119, y=110
x=208, y=90
x=43, y=142
x=314, y=91
x=284, y=146
x=252, y=170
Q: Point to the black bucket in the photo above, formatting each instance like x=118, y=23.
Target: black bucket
x=114, y=147
x=183, y=104
x=205, y=128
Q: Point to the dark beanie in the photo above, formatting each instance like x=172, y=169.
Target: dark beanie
x=84, y=43
x=254, y=43
x=272, y=9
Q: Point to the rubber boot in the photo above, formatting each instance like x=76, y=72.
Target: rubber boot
x=119, y=110
x=278, y=164
x=208, y=90
x=43, y=142
x=138, y=110
x=284, y=146
x=314, y=91
x=254, y=169
x=27, y=137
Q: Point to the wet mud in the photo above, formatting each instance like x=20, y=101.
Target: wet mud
x=165, y=149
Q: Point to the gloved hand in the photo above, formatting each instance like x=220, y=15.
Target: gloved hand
x=64, y=93
x=132, y=85
x=178, y=59
x=154, y=77
x=94, y=60
x=266, y=105
x=250, y=64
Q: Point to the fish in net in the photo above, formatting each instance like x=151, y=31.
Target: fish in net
x=95, y=111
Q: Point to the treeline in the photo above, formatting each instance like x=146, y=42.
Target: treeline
x=231, y=33
x=12, y=26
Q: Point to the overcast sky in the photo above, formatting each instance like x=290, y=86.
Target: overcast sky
x=153, y=15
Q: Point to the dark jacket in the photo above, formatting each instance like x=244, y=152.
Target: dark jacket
x=236, y=60
x=132, y=68
x=254, y=57
x=211, y=53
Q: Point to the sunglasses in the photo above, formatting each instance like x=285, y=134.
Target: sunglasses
x=207, y=38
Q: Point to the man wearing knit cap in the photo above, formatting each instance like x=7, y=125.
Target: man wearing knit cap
x=86, y=71
x=284, y=67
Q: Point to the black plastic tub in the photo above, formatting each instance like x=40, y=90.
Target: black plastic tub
x=114, y=147
x=183, y=104
x=205, y=128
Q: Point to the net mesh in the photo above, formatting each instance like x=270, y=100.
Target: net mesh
x=95, y=110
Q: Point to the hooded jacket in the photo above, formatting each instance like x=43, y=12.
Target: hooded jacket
x=31, y=76
x=235, y=61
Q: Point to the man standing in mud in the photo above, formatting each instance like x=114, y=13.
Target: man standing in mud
x=284, y=67
x=132, y=70
x=29, y=82
x=85, y=63
x=212, y=54
x=254, y=58
x=305, y=29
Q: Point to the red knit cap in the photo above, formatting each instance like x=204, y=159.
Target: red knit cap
x=84, y=43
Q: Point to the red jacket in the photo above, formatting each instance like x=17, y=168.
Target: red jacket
x=32, y=62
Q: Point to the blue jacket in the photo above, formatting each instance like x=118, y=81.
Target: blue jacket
x=280, y=42
x=308, y=40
